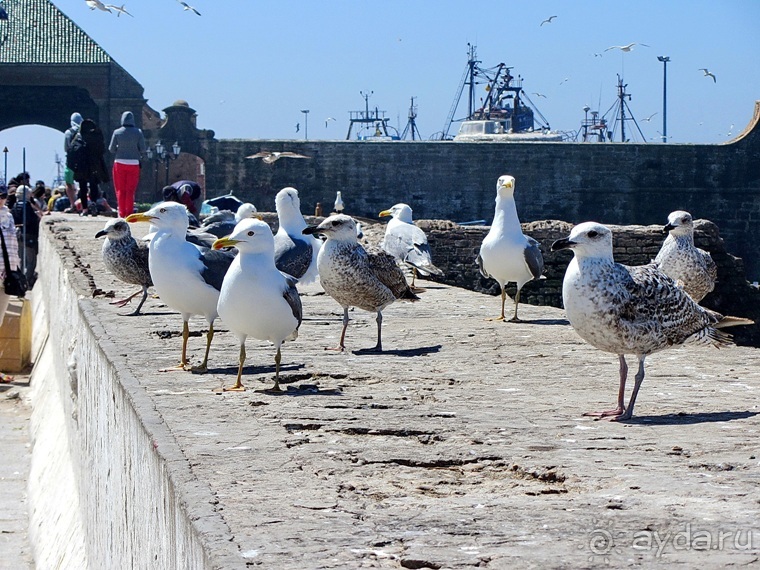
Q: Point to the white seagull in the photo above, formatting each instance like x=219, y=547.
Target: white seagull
x=339, y=205
x=626, y=48
x=294, y=252
x=679, y=259
x=547, y=21
x=506, y=254
x=188, y=7
x=269, y=157
x=256, y=299
x=630, y=310
x=185, y=278
x=97, y=4
x=119, y=10
x=649, y=118
x=356, y=278
x=707, y=73
x=407, y=242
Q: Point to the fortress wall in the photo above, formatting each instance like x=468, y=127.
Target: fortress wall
x=610, y=183
x=106, y=472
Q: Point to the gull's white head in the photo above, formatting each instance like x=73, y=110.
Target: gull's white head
x=245, y=211
x=505, y=187
x=165, y=216
x=287, y=200
x=589, y=239
x=401, y=212
x=115, y=229
x=679, y=224
x=339, y=227
x=249, y=236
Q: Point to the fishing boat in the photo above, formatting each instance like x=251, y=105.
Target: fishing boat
x=506, y=114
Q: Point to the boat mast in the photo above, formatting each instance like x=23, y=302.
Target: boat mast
x=411, y=124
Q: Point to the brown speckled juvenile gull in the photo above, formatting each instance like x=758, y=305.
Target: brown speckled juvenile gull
x=680, y=260
x=354, y=277
x=126, y=258
x=630, y=310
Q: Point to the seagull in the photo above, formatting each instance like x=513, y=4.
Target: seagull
x=626, y=48
x=294, y=252
x=272, y=157
x=408, y=243
x=506, y=254
x=222, y=223
x=539, y=95
x=356, y=278
x=708, y=74
x=547, y=21
x=119, y=10
x=630, y=310
x=649, y=118
x=126, y=258
x=256, y=299
x=339, y=205
x=187, y=7
x=93, y=4
x=564, y=80
x=687, y=265
x=185, y=278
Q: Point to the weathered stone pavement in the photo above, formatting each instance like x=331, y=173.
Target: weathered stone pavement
x=462, y=445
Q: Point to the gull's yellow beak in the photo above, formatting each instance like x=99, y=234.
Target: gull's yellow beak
x=508, y=184
x=385, y=213
x=221, y=243
x=132, y=218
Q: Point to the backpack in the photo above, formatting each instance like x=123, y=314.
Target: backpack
x=76, y=158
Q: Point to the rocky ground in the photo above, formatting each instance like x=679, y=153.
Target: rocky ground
x=462, y=445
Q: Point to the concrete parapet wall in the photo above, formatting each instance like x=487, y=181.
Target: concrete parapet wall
x=105, y=469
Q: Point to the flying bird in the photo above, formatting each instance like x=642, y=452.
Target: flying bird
x=355, y=277
x=630, y=310
x=649, y=118
x=626, y=48
x=539, y=95
x=708, y=74
x=126, y=258
x=547, y=21
x=686, y=264
x=407, y=242
x=256, y=299
x=97, y=4
x=187, y=7
x=272, y=157
x=119, y=10
x=506, y=254
x=187, y=279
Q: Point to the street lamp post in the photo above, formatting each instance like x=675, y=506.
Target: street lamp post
x=162, y=155
x=5, y=172
x=664, y=60
x=305, y=123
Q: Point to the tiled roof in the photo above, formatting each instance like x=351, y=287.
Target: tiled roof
x=38, y=32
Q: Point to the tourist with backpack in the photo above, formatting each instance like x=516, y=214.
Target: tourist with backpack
x=128, y=146
x=85, y=158
x=68, y=173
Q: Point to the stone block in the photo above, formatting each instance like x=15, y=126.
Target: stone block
x=16, y=337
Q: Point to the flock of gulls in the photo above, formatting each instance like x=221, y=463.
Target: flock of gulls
x=248, y=276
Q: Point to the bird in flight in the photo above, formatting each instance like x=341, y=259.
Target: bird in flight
x=547, y=21
x=649, y=118
x=629, y=47
x=270, y=157
x=539, y=95
x=119, y=10
x=564, y=80
x=708, y=74
x=187, y=7
x=93, y=4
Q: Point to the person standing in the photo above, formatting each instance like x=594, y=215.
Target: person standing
x=8, y=229
x=128, y=146
x=91, y=170
x=68, y=173
x=27, y=216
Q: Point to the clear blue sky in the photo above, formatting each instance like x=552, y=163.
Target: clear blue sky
x=249, y=67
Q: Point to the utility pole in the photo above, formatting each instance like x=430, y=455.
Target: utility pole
x=305, y=123
x=664, y=60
